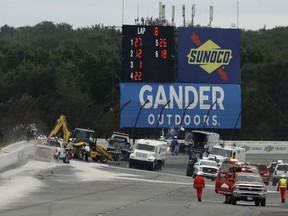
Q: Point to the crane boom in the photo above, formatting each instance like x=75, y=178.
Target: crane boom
x=61, y=123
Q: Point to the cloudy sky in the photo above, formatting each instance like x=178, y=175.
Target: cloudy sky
x=252, y=14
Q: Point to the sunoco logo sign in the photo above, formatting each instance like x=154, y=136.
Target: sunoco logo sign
x=209, y=56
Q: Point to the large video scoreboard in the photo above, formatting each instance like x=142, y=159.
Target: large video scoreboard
x=205, y=91
x=148, y=53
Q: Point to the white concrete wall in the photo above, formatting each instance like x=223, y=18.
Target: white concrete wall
x=15, y=153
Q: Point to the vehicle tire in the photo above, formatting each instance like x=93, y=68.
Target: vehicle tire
x=78, y=154
x=263, y=202
x=257, y=202
x=96, y=159
x=233, y=200
x=130, y=165
x=189, y=171
x=103, y=159
x=153, y=166
x=229, y=200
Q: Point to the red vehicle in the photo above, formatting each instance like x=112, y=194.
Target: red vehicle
x=264, y=172
x=239, y=182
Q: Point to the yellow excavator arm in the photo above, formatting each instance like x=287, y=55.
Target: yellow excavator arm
x=61, y=123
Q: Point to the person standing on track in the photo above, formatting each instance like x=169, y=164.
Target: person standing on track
x=175, y=146
x=282, y=186
x=199, y=184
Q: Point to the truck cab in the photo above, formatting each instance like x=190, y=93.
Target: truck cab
x=80, y=137
x=280, y=169
x=220, y=153
x=148, y=153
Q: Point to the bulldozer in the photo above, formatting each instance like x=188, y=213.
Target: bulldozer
x=80, y=138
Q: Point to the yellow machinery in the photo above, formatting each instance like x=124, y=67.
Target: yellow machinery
x=80, y=138
x=61, y=123
x=83, y=137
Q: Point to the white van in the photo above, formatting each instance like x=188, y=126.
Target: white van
x=148, y=153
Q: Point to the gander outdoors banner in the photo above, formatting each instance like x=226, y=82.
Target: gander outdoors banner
x=178, y=103
x=208, y=55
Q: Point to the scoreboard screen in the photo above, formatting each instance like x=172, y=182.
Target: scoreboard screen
x=148, y=53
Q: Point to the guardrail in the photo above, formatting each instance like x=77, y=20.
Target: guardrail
x=23, y=150
x=16, y=153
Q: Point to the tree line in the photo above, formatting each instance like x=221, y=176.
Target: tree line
x=51, y=69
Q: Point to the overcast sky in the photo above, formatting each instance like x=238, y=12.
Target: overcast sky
x=253, y=14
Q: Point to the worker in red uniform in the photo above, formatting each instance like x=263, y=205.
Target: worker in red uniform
x=282, y=186
x=199, y=184
x=228, y=177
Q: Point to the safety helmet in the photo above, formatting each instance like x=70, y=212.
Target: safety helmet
x=175, y=137
x=283, y=176
x=200, y=173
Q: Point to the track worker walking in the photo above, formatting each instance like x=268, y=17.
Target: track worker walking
x=282, y=186
x=199, y=184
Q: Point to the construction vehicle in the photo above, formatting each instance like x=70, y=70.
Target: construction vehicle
x=61, y=123
x=119, y=142
x=82, y=137
x=78, y=139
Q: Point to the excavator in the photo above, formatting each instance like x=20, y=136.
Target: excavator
x=61, y=123
x=78, y=139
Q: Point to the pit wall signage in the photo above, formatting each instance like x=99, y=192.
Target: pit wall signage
x=208, y=55
x=180, y=104
x=261, y=147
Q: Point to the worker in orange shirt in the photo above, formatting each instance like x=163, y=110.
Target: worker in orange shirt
x=282, y=186
x=199, y=184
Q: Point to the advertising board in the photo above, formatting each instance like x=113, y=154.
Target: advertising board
x=179, y=104
x=208, y=55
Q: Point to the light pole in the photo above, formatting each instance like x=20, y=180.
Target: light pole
x=123, y=12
